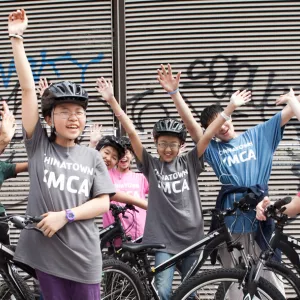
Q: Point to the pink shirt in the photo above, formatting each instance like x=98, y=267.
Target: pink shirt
x=298, y=194
x=134, y=184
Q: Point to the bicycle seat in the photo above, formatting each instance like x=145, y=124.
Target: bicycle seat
x=132, y=247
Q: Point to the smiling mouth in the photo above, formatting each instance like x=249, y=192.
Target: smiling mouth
x=72, y=127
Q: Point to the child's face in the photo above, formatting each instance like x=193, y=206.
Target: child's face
x=226, y=132
x=110, y=156
x=168, y=147
x=69, y=122
x=125, y=162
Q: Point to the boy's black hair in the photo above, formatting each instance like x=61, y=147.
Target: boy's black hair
x=209, y=114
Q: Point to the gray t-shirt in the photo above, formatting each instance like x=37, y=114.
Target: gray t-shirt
x=174, y=215
x=62, y=178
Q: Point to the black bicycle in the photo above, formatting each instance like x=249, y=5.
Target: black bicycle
x=139, y=252
x=218, y=283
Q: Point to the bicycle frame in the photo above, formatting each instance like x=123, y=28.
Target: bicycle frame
x=209, y=242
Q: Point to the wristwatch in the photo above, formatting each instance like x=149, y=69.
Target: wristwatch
x=70, y=215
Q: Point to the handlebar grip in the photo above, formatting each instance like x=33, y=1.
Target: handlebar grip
x=37, y=219
x=18, y=221
x=206, y=212
x=286, y=200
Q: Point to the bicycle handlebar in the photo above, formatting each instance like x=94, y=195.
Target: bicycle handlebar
x=244, y=205
x=278, y=207
x=117, y=209
x=21, y=221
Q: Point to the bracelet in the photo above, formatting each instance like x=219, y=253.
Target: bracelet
x=16, y=36
x=121, y=113
x=224, y=116
x=174, y=92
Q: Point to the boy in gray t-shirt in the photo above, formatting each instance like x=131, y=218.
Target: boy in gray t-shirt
x=69, y=185
x=174, y=209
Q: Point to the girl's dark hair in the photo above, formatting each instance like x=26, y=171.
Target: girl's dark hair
x=209, y=114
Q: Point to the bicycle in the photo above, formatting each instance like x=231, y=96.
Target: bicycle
x=249, y=279
x=139, y=252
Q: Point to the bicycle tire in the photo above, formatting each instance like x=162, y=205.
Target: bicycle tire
x=215, y=278
x=119, y=281
x=280, y=269
x=6, y=293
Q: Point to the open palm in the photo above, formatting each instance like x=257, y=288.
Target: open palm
x=166, y=79
x=17, y=22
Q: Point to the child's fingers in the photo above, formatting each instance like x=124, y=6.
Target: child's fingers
x=170, y=70
x=163, y=70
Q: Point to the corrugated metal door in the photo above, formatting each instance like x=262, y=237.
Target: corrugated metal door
x=220, y=46
x=65, y=40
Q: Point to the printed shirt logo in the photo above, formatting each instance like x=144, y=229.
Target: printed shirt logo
x=233, y=156
x=170, y=184
x=73, y=184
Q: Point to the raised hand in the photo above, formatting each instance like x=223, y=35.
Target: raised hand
x=240, y=98
x=17, y=22
x=286, y=97
x=8, y=125
x=95, y=134
x=166, y=79
x=105, y=88
x=43, y=84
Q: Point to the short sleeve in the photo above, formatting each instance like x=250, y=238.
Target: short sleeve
x=38, y=138
x=196, y=162
x=8, y=170
x=102, y=182
x=144, y=167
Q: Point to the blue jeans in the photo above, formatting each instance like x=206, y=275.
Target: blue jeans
x=163, y=280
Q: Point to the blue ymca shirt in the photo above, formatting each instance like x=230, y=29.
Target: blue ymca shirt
x=245, y=161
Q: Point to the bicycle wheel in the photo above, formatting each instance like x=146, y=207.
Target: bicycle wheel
x=7, y=294
x=292, y=282
x=207, y=285
x=120, y=282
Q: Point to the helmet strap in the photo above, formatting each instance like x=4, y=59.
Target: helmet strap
x=52, y=119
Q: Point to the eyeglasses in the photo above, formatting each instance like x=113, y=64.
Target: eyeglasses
x=173, y=146
x=67, y=114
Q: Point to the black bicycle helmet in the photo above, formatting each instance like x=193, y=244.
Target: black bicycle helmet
x=169, y=126
x=126, y=143
x=111, y=140
x=63, y=92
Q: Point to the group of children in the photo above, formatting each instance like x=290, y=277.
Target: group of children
x=71, y=184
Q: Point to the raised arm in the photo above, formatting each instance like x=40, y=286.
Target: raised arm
x=17, y=23
x=236, y=100
x=171, y=86
x=291, y=109
x=8, y=127
x=105, y=88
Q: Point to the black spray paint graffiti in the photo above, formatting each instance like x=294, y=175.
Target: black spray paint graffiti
x=220, y=86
